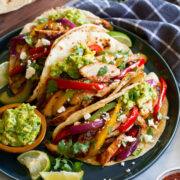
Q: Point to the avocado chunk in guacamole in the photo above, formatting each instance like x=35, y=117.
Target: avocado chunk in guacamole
x=137, y=96
x=75, y=16
x=80, y=57
x=19, y=126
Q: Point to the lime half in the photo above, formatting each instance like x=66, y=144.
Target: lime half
x=36, y=161
x=62, y=175
x=121, y=37
x=3, y=74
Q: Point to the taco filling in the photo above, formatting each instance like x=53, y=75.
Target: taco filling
x=125, y=126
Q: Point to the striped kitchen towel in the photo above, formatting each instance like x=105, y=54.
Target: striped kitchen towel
x=157, y=21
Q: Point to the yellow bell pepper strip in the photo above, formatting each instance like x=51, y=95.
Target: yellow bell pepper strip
x=101, y=136
x=41, y=26
x=111, y=150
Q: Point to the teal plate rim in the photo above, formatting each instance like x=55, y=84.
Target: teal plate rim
x=9, y=35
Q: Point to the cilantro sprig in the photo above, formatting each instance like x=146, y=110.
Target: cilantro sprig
x=68, y=150
x=102, y=71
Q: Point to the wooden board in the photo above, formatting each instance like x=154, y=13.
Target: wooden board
x=18, y=18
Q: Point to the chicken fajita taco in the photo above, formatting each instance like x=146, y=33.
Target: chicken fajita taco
x=29, y=50
x=120, y=127
x=92, y=66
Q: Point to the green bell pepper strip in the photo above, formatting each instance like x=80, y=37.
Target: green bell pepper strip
x=106, y=108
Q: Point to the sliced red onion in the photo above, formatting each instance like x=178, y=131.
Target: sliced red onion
x=20, y=39
x=67, y=22
x=82, y=128
x=152, y=82
x=127, y=152
x=78, y=129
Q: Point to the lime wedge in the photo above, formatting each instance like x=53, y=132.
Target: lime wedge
x=62, y=175
x=36, y=161
x=121, y=37
x=3, y=74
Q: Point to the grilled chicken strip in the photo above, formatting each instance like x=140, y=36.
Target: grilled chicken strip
x=94, y=69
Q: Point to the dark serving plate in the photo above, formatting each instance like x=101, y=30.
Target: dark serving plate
x=10, y=166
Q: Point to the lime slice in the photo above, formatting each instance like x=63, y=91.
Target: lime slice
x=3, y=74
x=121, y=37
x=36, y=161
x=62, y=175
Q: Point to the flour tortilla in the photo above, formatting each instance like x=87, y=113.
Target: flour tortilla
x=87, y=34
x=12, y=5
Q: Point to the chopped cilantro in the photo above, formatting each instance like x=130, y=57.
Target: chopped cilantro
x=104, y=59
x=79, y=50
x=102, y=71
x=35, y=66
x=18, y=85
x=67, y=24
x=148, y=118
x=93, y=87
x=62, y=164
x=7, y=73
x=137, y=152
x=52, y=86
x=42, y=20
x=159, y=116
x=87, y=81
x=64, y=148
x=141, y=138
x=150, y=132
x=124, y=143
x=66, y=165
x=87, y=98
x=112, y=62
x=69, y=94
x=68, y=150
x=78, y=147
x=29, y=40
x=121, y=65
x=109, y=129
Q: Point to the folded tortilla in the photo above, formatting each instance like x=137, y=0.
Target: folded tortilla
x=86, y=34
x=12, y=5
x=28, y=27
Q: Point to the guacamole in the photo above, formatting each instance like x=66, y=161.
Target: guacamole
x=80, y=57
x=19, y=126
x=73, y=15
x=137, y=96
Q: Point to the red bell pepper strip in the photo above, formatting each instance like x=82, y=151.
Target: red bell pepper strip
x=78, y=129
x=38, y=49
x=160, y=100
x=96, y=48
x=131, y=67
x=16, y=69
x=131, y=119
x=36, y=56
x=19, y=68
x=68, y=84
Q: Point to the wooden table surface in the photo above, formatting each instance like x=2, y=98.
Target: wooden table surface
x=18, y=18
